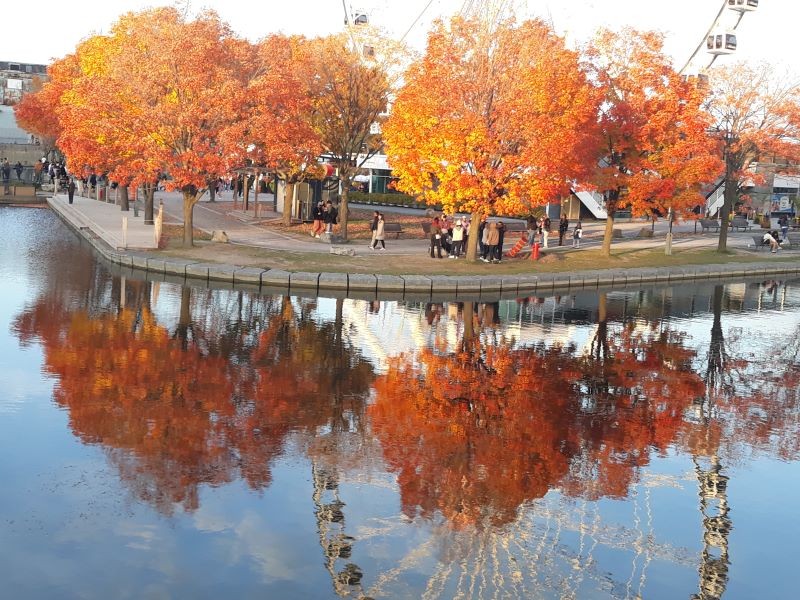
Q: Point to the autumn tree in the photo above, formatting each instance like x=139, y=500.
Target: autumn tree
x=87, y=110
x=756, y=116
x=278, y=131
x=349, y=93
x=655, y=151
x=171, y=90
x=492, y=120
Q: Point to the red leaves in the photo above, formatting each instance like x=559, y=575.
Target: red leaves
x=496, y=122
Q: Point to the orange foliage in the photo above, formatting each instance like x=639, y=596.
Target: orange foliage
x=279, y=125
x=36, y=112
x=474, y=434
x=173, y=416
x=656, y=152
x=493, y=122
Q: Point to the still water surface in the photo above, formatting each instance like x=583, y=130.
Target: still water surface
x=160, y=441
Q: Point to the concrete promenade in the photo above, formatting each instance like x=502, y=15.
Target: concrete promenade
x=100, y=224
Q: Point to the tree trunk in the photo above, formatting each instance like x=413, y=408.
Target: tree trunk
x=288, y=192
x=608, y=234
x=255, y=196
x=469, y=323
x=149, y=196
x=189, y=200
x=246, y=192
x=184, y=318
x=343, y=209
x=727, y=206
x=212, y=190
x=599, y=346
x=472, y=239
x=123, y=198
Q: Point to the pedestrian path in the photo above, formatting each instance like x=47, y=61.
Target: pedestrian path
x=118, y=229
x=106, y=221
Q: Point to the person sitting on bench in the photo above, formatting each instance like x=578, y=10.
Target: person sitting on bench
x=773, y=243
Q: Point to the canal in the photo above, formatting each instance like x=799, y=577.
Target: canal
x=170, y=441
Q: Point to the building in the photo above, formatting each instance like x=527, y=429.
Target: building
x=16, y=79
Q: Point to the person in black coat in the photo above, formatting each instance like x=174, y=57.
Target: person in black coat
x=563, y=227
x=71, y=189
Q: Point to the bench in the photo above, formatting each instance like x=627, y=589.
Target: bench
x=708, y=224
x=793, y=239
x=395, y=228
x=758, y=242
x=738, y=223
x=645, y=233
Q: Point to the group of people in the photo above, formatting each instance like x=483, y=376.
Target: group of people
x=541, y=228
x=5, y=169
x=448, y=235
x=325, y=215
x=451, y=235
x=775, y=239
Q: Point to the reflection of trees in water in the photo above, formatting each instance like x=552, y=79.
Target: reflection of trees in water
x=475, y=433
x=171, y=411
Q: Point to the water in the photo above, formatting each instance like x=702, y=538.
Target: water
x=170, y=442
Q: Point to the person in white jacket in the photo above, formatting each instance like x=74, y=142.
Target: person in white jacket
x=379, y=235
x=458, y=240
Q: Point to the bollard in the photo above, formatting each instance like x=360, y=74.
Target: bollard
x=535, y=251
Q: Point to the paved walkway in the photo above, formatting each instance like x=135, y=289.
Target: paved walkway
x=209, y=216
x=96, y=221
x=120, y=230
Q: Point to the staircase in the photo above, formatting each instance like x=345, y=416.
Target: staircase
x=715, y=200
x=594, y=202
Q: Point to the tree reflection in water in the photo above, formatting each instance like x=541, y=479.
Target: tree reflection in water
x=172, y=411
x=476, y=431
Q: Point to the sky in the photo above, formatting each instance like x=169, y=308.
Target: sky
x=767, y=34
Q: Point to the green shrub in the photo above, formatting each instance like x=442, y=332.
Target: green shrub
x=398, y=199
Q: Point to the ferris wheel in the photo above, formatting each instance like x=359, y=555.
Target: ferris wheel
x=720, y=39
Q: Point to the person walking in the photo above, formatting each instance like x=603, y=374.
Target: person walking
x=563, y=227
x=436, y=238
x=19, y=168
x=373, y=227
x=6, y=173
x=577, y=234
x=71, y=189
x=378, y=234
x=784, y=224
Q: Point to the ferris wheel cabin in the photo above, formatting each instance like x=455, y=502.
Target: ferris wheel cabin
x=743, y=5
x=721, y=42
